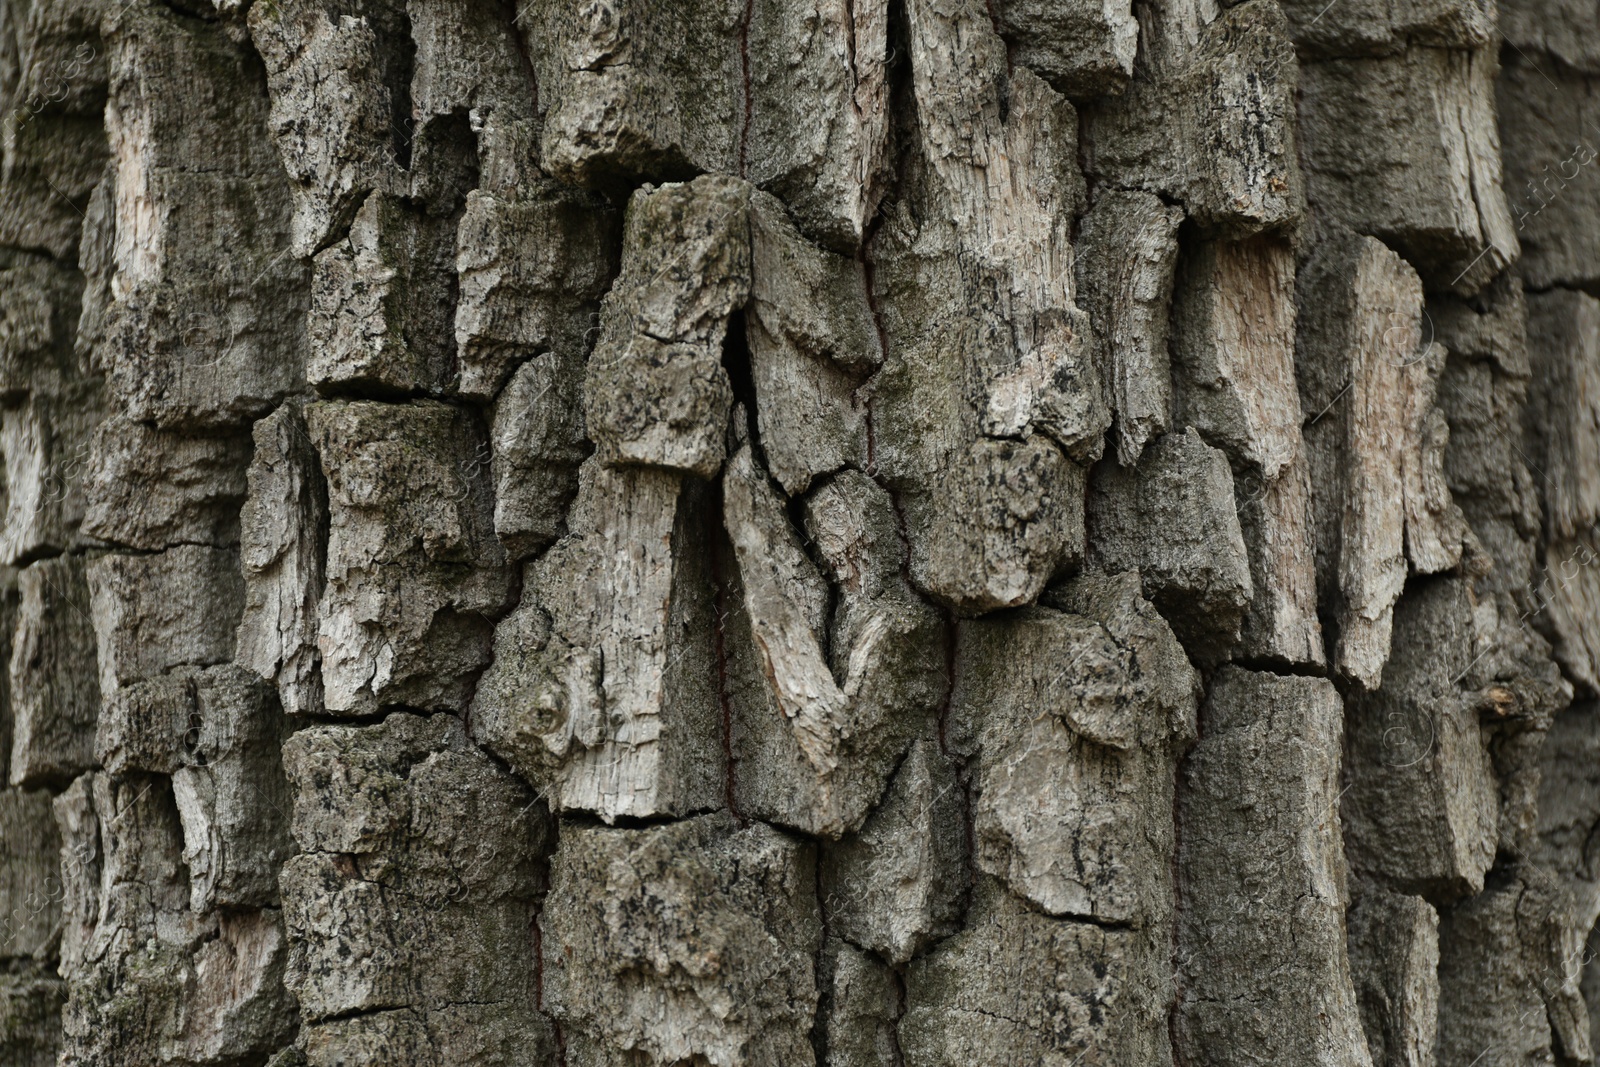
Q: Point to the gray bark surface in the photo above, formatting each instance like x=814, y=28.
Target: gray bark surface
x=855, y=533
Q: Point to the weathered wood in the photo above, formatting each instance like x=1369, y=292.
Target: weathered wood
x=537, y=446
x=1482, y=392
x=1394, y=961
x=227, y=783
x=820, y=714
x=37, y=342
x=895, y=885
x=1431, y=186
x=48, y=456
x=1380, y=27
x=1172, y=518
x=656, y=392
x=1569, y=812
x=473, y=102
x=1564, y=408
x=985, y=342
x=603, y=687
x=1015, y=986
x=30, y=888
x=1129, y=249
x=1253, y=917
x=408, y=485
x=1505, y=980
x=1072, y=762
x=1210, y=120
x=389, y=906
x=1233, y=349
x=336, y=82
x=54, y=94
x=380, y=304
x=80, y=866
x=1422, y=808
x=153, y=488
x=1084, y=48
x=54, y=679
x=859, y=1006
x=673, y=603
x=694, y=939
x=1011, y=189
x=1004, y=522
x=282, y=552
x=1566, y=595
x=208, y=324
x=30, y=1015
x=195, y=987
x=1278, y=523
x=1559, y=28
x=172, y=611
x=631, y=90
x=824, y=62
x=634, y=89
x=808, y=326
x=1368, y=376
x=10, y=605
x=1548, y=117
x=234, y=1001
x=531, y=270
x=1515, y=710
x=1568, y=815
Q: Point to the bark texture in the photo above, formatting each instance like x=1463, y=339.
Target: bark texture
x=857, y=533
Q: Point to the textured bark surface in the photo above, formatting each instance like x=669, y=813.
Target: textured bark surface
x=866, y=533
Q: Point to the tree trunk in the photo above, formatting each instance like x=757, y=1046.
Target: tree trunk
x=918, y=533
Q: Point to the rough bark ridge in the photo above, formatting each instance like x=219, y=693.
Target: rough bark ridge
x=912, y=533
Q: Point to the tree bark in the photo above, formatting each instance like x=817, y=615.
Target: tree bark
x=913, y=533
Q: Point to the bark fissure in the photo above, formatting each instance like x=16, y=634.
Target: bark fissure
x=874, y=532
